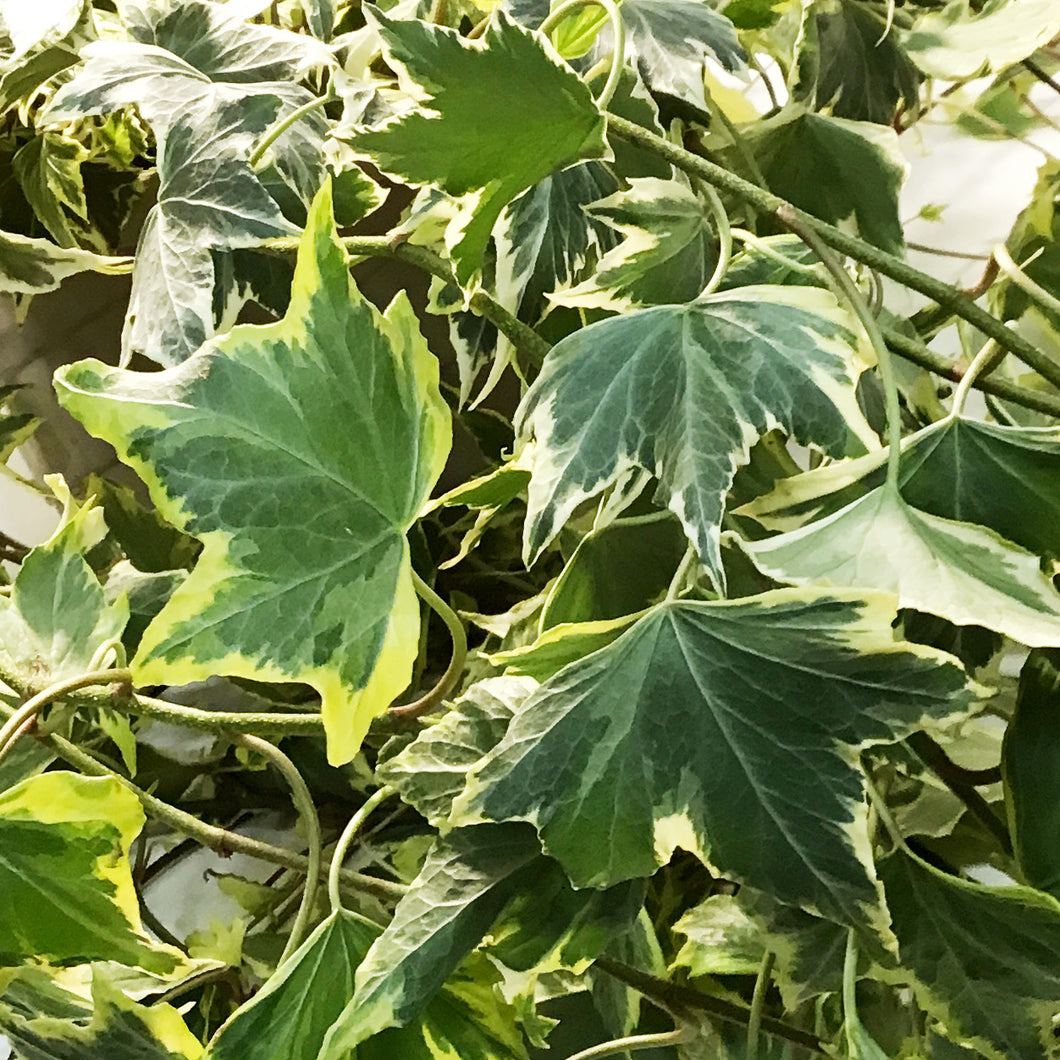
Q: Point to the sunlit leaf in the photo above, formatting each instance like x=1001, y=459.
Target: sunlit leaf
x=960, y=571
x=984, y=957
x=33, y=266
x=667, y=255
x=326, y=600
x=451, y=141
x=681, y=392
x=678, y=734
x=64, y=873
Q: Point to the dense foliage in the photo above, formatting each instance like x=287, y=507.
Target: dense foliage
x=736, y=732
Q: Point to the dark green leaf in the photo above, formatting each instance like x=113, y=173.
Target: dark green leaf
x=729, y=729
x=33, y=266
x=984, y=957
x=1032, y=773
x=680, y=392
x=49, y=170
x=808, y=159
x=230, y=457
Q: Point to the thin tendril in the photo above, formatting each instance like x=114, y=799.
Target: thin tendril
x=303, y=800
x=633, y=1043
x=724, y=230
x=758, y=1002
x=989, y=353
x=349, y=833
x=1016, y=274
x=281, y=125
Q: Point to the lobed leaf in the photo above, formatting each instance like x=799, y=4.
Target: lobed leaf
x=730, y=729
x=305, y=571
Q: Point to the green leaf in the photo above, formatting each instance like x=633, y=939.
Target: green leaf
x=1029, y=766
x=560, y=645
x=860, y=71
x=15, y=427
x=292, y=1013
x=667, y=256
x=56, y=617
x=64, y=873
x=119, y=1029
x=962, y=572
x=678, y=734
x=276, y=596
x=429, y=772
x=467, y=879
x=34, y=266
x=1004, y=478
x=670, y=42
x=452, y=140
x=616, y=570
x=957, y=44
x=720, y=939
x=49, y=170
x=808, y=158
x=681, y=392
x=984, y=957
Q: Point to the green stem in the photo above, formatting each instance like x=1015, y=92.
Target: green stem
x=763, y=248
x=22, y=720
x=1013, y=271
x=634, y=1043
x=850, y=1001
x=848, y=292
x=281, y=125
x=888, y=264
x=883, y=811
x=739, y=141
x=219, y=839
x=263, y=724
x=349, y=833
x=618, y=28
x=724, y=230
x=448, y=681
x=677, y=582
x=678, y=999
x=758, y=1003
x=987, y=357
x=303, y=801
x=917, y=353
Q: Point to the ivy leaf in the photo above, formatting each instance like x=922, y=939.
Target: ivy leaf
x=64, y=873
x=681, y=392
x=277, y=595
x=1005, y=478
x=34, y=266
x=984, y=957
x=467, y=879
x=48, y=169
x=806, y=159
x=720, y=939
x=959, y=571
x=678, y=734
x=667, y=256
x=56, y=617
x=956, y=45
x=114, y=1028
x=561, y=645
x=1029, y=768
x=208, y=197
x=15, y=427
x=31, y=26
x=670, y=41
x=858, y=71
x=429, y=772
x=452, y=139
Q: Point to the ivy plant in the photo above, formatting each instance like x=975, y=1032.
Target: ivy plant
x=556, y=563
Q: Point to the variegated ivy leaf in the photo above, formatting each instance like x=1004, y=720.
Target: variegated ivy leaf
x=64, y=873
x=305, y=570
x=682, y=392
x=451, y=139
x=29, y=26
x=808, y=158
x=731, y=729
x=15, y=426
x=670, y=41
x=667, y=256
x=984, y=958
x=34, y=266
x=1005, y=478
x=42, y=1019
x=959, y=571
x=957, y=43
x=48, y=169
x=56, y=617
